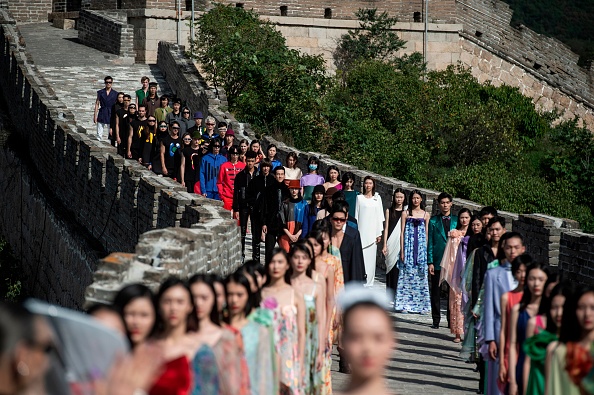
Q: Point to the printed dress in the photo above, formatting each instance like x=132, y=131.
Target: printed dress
x=206, y=372
x=412, y=295
x=258, y=343
x=286, y=338
x=313, y=377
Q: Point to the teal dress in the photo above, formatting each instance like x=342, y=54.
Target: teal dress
x=206, y=372
x=351, y=199
x=258, y=344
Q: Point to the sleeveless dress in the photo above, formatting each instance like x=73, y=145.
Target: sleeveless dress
x=258, y=342
x=558, y=380
x=412, y=295
x=513, y=298
x=206, y=372
x=175, y=379
x=536, y=348
x=520, y=339
x=313, y=378
x=286, y=338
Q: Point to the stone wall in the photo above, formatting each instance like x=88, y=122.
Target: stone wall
x=576, y=257
x=317, y=36
x=439, y=11
x=29, y=10
x=59, y=262
x=115, y=203
x=154, y=25
x=106, y=31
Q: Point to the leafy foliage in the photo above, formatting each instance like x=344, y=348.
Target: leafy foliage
x=373, y=40
x=440, y=129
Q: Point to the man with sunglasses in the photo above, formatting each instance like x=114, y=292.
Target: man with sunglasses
x=122, y=121
x=106, y=98
x=348, y=240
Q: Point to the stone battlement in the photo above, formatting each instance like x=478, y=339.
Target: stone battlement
x=117, y=204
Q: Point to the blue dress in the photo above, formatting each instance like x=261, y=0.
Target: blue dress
x=412, y=295
x=520, y=339
x=206, y=372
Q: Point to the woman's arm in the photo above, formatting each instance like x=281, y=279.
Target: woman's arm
x=162, y=155
x=513, y=350
x=427, y=218
x=386, y=225
x=182, y=170
x=330, y=303
x=550, y=351
x=502, y=356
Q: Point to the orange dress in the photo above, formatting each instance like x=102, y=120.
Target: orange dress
x=336, y=264
x=513, y=298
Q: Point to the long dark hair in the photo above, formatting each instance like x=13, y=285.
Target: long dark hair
x=129, y=294
x=276, y=251
x=209, y=280
x=569, y=324
x=303, y=246
x=393, y=204
x=527, y=294
x=346, y=177
x=421, y=206
x=318, y=236
x=459, y=225
x=239, y=277
x=563, y=289
x=332, y=167
x=170, y=282
x=251, y=267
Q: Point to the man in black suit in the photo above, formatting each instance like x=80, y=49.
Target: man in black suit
x=348, y=240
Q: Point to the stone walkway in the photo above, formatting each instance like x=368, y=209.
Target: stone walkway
x=425, y=361
x=77, y=71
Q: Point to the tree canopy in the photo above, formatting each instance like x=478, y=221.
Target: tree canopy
x=387, y=114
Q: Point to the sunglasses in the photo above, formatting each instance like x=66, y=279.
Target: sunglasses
x=211, y=124
x=186, y=112
x=187, y=139
x=152, y=121
x=132, y=107
x=126, y=99
x=175, y=128
x=337, y=219
x=163, y=126
x=216, y=146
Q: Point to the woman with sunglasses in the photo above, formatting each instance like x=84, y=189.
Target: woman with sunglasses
x=170, y=152
x=190, y=161
x=186, y=121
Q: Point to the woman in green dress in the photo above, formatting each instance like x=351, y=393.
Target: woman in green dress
x=535, y=346
x=565, y=360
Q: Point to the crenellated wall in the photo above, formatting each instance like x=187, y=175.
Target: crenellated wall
x=115, y=204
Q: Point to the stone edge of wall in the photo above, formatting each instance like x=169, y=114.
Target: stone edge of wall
x=118, y=201
x=108, y=32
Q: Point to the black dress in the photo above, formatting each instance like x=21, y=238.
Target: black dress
x=392, y=275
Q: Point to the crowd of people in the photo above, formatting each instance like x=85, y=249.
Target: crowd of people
x=270, y=328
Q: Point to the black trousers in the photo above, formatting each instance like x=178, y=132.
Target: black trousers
x=269, y=244
x=392, y=281
x=435, y=294
x=244, y=214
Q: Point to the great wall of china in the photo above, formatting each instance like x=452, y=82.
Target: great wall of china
x=94, y=204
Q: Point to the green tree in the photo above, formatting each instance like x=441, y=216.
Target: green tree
x=374, y=39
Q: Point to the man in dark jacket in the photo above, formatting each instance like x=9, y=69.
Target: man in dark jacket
x=273, y=197
x=244, y=198
x=348, y=240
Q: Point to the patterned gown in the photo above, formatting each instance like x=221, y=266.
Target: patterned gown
x=412, y=295
x=334, y=322
x=286, y=338
x=313, y=377
x=258, y=343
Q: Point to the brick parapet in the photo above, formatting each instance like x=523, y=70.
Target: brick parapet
x=107, y=31
x=112, y=201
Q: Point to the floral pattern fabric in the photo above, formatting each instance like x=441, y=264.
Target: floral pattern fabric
x=412, y=295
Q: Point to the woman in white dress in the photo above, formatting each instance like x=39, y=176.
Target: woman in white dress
x=370, y=219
